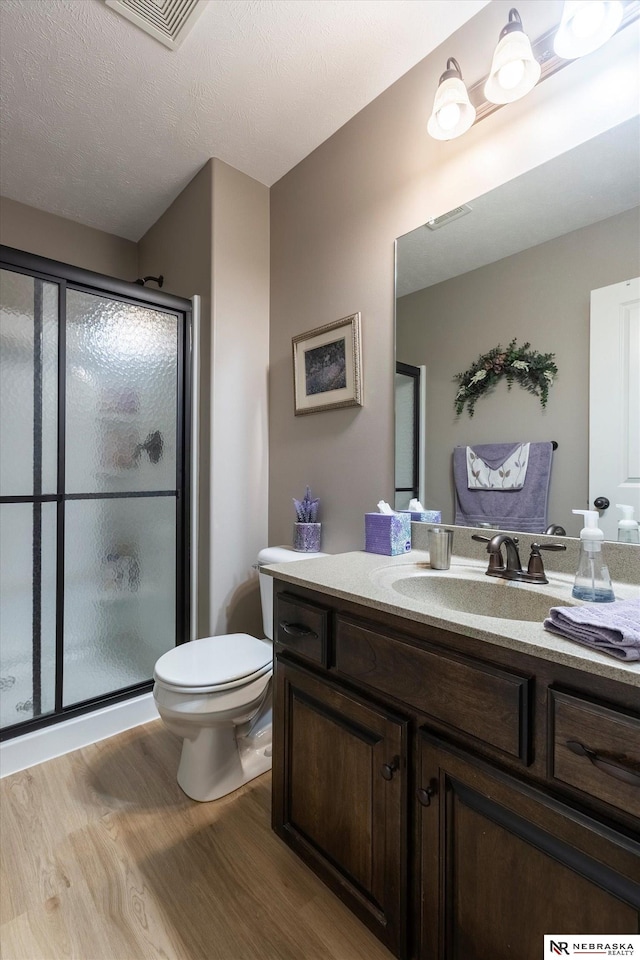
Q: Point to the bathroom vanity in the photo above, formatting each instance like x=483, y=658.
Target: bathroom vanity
x=464, y=783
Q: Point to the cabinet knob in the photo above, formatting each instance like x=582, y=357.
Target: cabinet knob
x=601, y=503
x=388, y=769
x=425, y=794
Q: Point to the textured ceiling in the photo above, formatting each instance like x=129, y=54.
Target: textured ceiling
x=105, y=126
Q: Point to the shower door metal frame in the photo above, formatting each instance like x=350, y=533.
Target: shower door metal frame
x=408, y=370
x=66, y=276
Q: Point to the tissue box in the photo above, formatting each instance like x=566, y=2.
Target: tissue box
x=390, y=535
x=426, y=516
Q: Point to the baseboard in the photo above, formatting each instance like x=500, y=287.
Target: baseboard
x=60, y=738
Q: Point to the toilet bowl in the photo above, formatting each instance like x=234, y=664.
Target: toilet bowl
x=215, y=693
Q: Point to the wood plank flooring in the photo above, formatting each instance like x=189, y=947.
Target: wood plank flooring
x=104, y=858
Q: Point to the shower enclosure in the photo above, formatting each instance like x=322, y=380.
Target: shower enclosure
x=94, y=487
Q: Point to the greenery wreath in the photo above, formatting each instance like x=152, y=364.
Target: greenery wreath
x=534, y=372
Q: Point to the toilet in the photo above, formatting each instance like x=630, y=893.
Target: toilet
x=215, y=693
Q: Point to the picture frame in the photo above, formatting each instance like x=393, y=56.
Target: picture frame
x=327, y=367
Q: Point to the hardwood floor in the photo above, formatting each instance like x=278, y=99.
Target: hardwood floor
x=104, y=858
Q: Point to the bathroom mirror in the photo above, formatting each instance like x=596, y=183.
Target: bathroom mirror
x=519, y=262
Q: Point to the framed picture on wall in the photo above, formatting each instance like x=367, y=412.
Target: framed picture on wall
x=327, y=367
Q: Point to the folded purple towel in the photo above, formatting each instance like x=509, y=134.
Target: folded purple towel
x=612, y=628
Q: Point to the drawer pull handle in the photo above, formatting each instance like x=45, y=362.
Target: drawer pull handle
x=425, y=794
x=614, y=768
x=297, y=630
x=388, y=769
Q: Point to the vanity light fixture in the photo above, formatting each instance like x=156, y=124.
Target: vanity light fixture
x=452, y=113
x=585, y=26
x=518, y=65
x=514, y=69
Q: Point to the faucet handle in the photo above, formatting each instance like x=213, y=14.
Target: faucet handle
x=536, y=566
x=496, y=562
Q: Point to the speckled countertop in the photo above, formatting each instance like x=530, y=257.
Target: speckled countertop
x=405, y=586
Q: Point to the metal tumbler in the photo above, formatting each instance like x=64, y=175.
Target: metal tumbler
x=440, y=543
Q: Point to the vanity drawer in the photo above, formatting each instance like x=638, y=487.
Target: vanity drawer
x=487, y=703
x=595, y=749
x=301, y=627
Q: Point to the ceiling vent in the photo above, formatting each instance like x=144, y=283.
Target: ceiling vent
x=454, y=214
x=168, y=21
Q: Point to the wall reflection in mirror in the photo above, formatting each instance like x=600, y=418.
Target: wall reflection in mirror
x=522, y=262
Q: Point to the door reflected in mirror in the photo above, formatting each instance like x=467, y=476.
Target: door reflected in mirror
x=521, y=263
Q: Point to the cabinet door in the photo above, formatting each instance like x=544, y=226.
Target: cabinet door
x=339, y=781
x=503, y=864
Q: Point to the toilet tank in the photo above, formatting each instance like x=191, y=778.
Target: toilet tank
x=275, y=555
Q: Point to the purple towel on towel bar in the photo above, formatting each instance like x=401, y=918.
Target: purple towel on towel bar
x=524, y=510
x=612, y=628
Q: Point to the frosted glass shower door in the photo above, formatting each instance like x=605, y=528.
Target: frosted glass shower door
x=120, y=574
x=28, y=486
x=95, y=400
x=29, y=381
x=121, y=482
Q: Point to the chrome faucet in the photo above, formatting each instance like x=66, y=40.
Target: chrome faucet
x=512, y=570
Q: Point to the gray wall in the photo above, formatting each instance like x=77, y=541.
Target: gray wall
x=214, y=241
x=47, y=235
x=239, y=363
x=540, y=295
x=333, y=224
x=179, y=246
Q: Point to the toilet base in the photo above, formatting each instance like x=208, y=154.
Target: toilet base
x=221, y=758
x=215, y=764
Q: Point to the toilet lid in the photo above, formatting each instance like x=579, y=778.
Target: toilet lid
x=214, y=661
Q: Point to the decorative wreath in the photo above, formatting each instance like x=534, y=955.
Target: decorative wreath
x=534, y=372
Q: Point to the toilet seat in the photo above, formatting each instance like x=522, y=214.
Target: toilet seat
x=214, y=664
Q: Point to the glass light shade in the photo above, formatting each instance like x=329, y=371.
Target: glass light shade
x=585, y=26
x=453, y=112
x=514, y=69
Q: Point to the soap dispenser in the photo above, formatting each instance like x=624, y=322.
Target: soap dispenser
x=628, y=528
x=592, y=579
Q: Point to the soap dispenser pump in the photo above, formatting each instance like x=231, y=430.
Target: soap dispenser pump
x=592, y=579
x=628, y=528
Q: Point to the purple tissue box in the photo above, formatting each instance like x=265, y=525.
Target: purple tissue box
x=390, y=535
x=426, y=516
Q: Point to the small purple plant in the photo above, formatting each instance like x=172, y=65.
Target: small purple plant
x=306, y=509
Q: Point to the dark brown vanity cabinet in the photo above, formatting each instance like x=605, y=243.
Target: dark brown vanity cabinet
x=502, y=864
x=340, y=765
x=434, y=782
